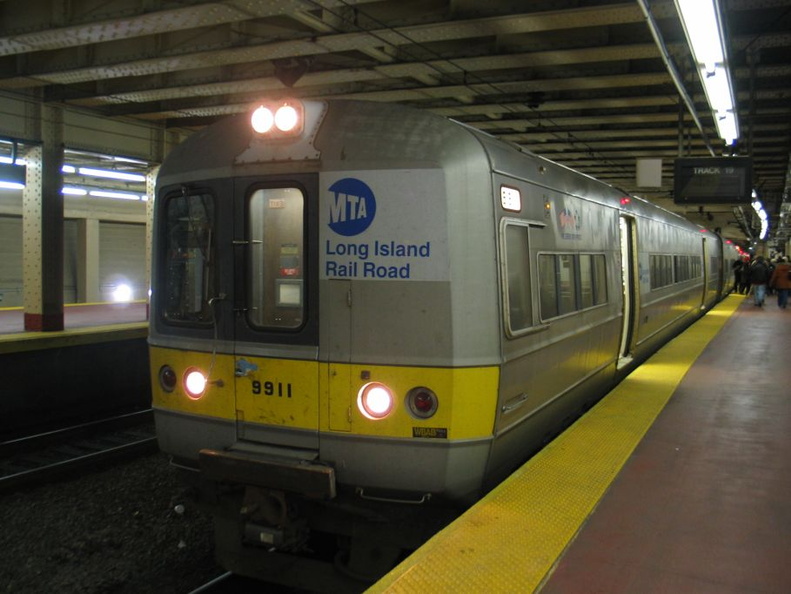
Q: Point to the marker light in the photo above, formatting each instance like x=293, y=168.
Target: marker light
x=279, y=119
x=167, y=378
x=375, y=400
x=422, y=402
x=194, y=383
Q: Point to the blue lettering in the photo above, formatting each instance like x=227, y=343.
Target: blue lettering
x=348, y=249
x=371, y=270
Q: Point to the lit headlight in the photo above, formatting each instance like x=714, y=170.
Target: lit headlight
x=279, y=120
x=375, y=400
x=194, y=383
x=286, y=118
x=262, y=120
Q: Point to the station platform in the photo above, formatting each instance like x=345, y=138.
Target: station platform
x=677, y=481
x=84, y=323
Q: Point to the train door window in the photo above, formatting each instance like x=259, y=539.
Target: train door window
x=276, y=262
x=517, y=265
x=189, y=258
x=697, y=266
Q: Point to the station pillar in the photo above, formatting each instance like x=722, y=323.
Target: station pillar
x=42, y=227
x=88, y=261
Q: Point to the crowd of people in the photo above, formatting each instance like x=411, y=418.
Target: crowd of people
x=761, y=277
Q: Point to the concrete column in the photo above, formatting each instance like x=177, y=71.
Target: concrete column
x=88, y=261
x=42, y=227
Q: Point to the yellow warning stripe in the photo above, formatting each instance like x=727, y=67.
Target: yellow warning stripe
x=510, y=540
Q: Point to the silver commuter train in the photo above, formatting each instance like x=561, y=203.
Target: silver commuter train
x=365, y=315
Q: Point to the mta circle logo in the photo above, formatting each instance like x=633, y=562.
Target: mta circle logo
x=352, y=207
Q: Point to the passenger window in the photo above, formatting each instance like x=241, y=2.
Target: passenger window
x=571, y=282
x=189, y=259
x=517, y=264
x=586, y=281
x=599, y=279
x=661, y=271
x=567, y=280
x=277, y=258
x=547, y=280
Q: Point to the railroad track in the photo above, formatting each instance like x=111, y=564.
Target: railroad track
x=229, y=583
x=45, y=457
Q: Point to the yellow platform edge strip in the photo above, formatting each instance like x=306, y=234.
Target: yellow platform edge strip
x=510, y=540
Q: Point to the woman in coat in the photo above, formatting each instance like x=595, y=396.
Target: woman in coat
x=781, y=281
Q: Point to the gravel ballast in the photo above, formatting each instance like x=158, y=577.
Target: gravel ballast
x=124, y=529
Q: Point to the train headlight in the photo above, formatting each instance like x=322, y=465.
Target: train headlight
x=195, y=382
x=375, y=400
x=279, y=120
x=263, y=119
x=286, y=118
x=167, y=378
x=422, y=402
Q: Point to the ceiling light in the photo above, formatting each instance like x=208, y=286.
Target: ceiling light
x=703, y=27
x=109, y=174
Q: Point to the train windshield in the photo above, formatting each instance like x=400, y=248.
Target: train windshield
x=276, y=271
x=189, y=258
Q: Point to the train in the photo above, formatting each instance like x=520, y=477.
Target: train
x=364, y=316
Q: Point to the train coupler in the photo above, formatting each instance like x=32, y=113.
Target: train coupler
x=268, y=521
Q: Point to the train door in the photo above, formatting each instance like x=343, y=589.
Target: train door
x=705, y=271
x=275, y=312
x=630, y=280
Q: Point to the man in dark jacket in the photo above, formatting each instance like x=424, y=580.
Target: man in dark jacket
x=759, y=276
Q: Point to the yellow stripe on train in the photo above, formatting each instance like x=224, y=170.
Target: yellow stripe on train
x=323, y=396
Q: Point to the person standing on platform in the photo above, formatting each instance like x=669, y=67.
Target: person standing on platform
x=781, y=281
x=744, y=278
x=759, y=276
x=737, y=267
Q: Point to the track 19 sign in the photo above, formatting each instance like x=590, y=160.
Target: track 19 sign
x=713, y=180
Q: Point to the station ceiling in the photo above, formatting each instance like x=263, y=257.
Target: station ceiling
x=583, y=82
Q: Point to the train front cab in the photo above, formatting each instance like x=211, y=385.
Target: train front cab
x=265, y=401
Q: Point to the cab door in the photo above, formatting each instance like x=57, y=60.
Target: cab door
x=275, y=312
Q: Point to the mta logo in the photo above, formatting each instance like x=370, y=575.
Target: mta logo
x=352, y=207
x=569, y=220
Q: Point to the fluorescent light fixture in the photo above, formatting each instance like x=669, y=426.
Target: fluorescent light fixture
x=109, y=174
x=129, y=160
x=6, y=185
x=704, y=31
x=68, y=169
x=71, y=191
x=758, y=207
x=11, y=161
x=121, y=195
